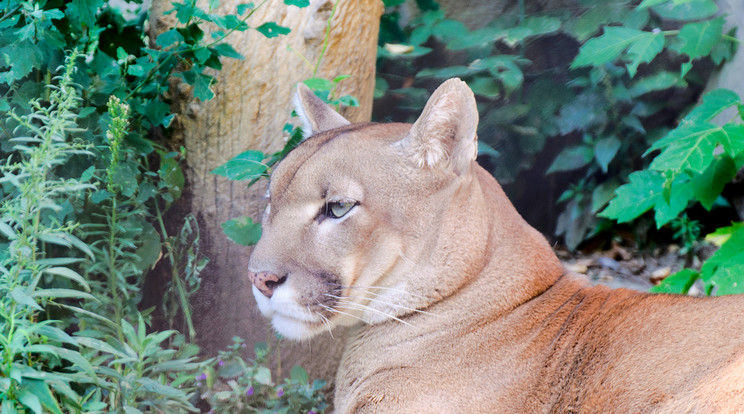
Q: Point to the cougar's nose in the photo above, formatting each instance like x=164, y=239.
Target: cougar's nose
x=266, y=282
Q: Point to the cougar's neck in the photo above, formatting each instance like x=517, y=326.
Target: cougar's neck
x=501, y=258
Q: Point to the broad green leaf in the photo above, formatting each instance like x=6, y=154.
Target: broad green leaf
x=692, y=10
x=168, y=38
x=731, y=253
x=723, y=234
x=636, y=197
x=713, y=103
x=571, y=158
x=732, y=139
x=729, y=280
x=225, y=49
x=605, y=150
x=679, y=283
x=655, y=82
x=263, y=376
x=202, y=88
x=298, y=374
x=485, y=86
x=687, y=148
x=242, y=8
x=44, y=394
x=608, y=47
x=649, y=3
x=603, y=193
x=582, y=112
x=271, y=29
x=670, y=205
x=699, y=38
x=709, y=185
x=443, y=73
x=28, y=398
x=298, y=3
x=244, y=166
x=644, y=50
x=242, y=230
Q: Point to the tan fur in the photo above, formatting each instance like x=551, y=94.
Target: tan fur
x=461, y=306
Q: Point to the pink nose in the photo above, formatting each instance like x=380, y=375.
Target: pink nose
x=266, y=282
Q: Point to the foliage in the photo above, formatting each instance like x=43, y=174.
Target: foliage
x=235, y=386
x=590, y=86
x=694, y=162
x=83, y=192
x=252, y=165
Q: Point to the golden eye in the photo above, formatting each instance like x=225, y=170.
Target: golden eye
x=339, y=209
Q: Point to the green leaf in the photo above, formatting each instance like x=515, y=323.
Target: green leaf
x=202, y=88
x=644, y=50
x=699, y=38
x=263, y=376
x=608, y=47
x=670, y=205
x=679, y=283
x=725, y=267
x=732, y=139
x=708, y=186
x=43, y=393
x=68, y=274
x=244, y=166
x=225, y=49
x=242, y=231
x=62, y=293
x=714, y=102
x=692, y=10
x=687, y=148
x=605, y=150
x=242, y=8
x=635, y=198
x=582, y=112
x=298, y=374
x=20, y=297
x=603, y=193
x=168, y=38
x=571, y=158
x=656, y=82
x=271, y=29
x=28, y=398
x=444, y=73
x=298, y=3
x=485, y=86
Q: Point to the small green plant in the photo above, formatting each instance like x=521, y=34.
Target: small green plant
x=695, y=161
x=236, y=386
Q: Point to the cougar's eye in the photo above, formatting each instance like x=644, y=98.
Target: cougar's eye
x=338, y=209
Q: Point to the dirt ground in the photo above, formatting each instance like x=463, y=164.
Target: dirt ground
x=624, y=267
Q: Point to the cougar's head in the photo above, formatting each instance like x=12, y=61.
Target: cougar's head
x=361, y=217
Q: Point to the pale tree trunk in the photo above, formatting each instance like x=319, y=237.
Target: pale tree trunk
x=251, y=105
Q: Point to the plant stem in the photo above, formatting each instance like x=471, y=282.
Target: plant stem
x=326, y=40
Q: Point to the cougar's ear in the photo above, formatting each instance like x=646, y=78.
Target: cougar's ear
x=314, y=114
x=445, y=133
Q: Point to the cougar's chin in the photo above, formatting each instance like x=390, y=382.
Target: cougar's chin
x=289, y=319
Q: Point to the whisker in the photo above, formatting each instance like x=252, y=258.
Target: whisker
x=379, y=287
x=357, y=306
x=327, y=324
x=395, y=305
x=334, y=310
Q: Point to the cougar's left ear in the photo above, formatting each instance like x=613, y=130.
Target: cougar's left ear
x=445, y=133
x=315, y=115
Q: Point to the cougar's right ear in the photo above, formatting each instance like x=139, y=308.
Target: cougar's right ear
x=314, y=114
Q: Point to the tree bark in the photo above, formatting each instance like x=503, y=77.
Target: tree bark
x=251, y=105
